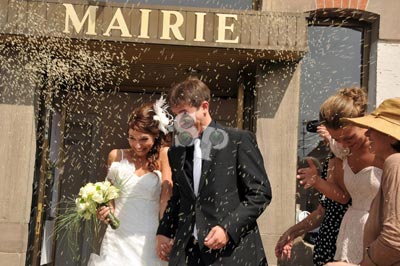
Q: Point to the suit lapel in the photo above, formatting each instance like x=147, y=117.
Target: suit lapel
x=187, y=179
x=209, y=153
x=205, y=168
x=180, y=157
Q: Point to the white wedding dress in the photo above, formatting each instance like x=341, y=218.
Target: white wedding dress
x=362, y=187
x=137, y=208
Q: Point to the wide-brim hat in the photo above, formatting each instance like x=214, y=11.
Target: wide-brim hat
x=385, y=118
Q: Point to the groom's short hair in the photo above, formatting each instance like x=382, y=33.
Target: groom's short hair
x=192, y=91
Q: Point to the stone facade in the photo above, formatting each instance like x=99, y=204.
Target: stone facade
x=277, y=89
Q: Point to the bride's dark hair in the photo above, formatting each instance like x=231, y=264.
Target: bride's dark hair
x=141, y=119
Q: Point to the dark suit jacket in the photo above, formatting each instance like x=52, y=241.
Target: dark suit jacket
x=233, y=192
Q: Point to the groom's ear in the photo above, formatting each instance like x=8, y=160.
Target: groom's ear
x=205, y=105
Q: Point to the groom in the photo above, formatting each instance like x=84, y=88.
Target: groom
x=220, y=188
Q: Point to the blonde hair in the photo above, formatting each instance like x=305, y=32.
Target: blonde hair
x=346, y=103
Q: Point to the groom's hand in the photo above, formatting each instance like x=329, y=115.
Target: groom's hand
x=216, y=238
x=164, y=246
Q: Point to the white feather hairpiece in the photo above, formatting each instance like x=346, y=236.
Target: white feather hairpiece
x=164, y=118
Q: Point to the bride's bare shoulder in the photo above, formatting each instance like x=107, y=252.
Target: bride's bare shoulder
x=114, y=156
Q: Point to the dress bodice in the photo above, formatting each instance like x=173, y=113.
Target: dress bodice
x=122, y=174
x=362, y=186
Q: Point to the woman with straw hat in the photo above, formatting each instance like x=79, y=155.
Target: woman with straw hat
x=382, y=230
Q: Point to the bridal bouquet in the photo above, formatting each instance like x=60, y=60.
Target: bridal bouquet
x=83, y=208
x=92, y=196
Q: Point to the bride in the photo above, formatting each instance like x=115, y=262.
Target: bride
x=144, y=194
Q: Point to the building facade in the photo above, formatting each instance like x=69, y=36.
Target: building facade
x=71, y=71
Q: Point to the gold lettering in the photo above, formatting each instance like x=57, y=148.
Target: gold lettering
x=167, y=26
x=144, y=24
x=90, y=16
x=172, y=26
x=222, y=27
x=121, y=25
x=199, y=27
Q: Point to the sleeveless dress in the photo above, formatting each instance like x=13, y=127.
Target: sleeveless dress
x=137, y=208
x=362, y=187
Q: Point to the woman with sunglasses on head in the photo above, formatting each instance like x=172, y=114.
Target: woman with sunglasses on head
x=352, y=177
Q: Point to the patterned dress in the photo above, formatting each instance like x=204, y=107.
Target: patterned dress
x=325, y=244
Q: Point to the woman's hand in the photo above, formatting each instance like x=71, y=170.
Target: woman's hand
x=102, y=213
x=284, y=246
x=164, y=247
x=324, y=134
x=309, y=176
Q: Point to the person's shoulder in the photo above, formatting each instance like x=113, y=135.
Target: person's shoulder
x=241, y=136
x=164, y=152
x=164, y=149
x=392, y=161
x=175, y=148
x=114, y=155
x=236, y=131
x=391, y=169
x=173, y=152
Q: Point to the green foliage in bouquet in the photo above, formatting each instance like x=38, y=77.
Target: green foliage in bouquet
x=83, y=209
x=92, y=196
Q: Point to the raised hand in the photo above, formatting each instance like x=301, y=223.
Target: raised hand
x=324, y=133
x=308, y=176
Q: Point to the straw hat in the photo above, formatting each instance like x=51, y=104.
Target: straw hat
x=385, y=118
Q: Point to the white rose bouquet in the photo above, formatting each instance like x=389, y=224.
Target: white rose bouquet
x=83, y=208
x=92, y=196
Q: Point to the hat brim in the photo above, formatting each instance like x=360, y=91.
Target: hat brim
x=377, y=123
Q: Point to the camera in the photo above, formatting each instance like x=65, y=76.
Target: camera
x=311, y=126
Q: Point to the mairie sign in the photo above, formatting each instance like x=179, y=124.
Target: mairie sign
x=171, y=25
x=269, y=34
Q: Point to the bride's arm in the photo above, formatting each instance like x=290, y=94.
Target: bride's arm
x=113, y=156
x=103, y=211
x=166, y=185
